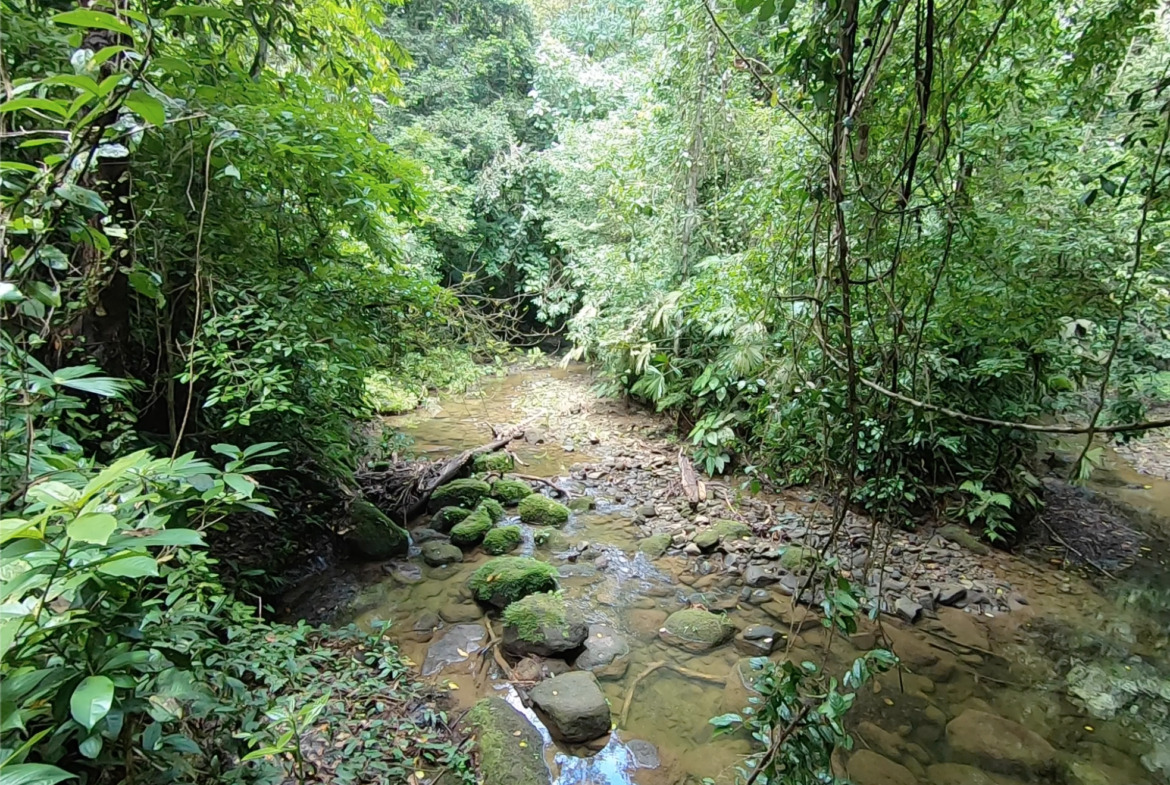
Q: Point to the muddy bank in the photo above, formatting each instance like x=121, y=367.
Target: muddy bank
x=991, y=644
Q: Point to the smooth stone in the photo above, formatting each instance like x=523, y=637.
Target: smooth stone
x=950, y=595
x=420, y=536
x=997, y=744
x=866, y=767
x=907, y=609
x=574, y=706
x=757, y=575
x=456, y=645
x=957, y=774
x=605, y=653
x=644, y=753
x=436, y=553
x=458, y=612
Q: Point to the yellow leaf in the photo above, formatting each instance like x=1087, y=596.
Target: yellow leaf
x=420, y=774
x=462, y=653
x=523, y=744
x=452, y=685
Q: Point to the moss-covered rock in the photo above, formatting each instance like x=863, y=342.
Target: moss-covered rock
x=493, y=508
x=493, y=462
x=582, y=504
x=542, y=625
x=537, y=510
x=957, y=534
x=731, y=530
x=550, y=539
x=505, y=579
x=502, y=539
x=459, y=493
x=655, y=545
x=510, y=492
x=472, y=529
x=437, y=553
x=706, y=540
x=374, y=536
x=511, y=751
x=447, y=517
x=696, y=629
x=798, y=558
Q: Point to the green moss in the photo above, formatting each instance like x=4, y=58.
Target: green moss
x=511, y=751
x=582, y=504
x=502, y=540
x=706, y=539
x=373, y=535
x=551, y=539
x=493, y=508
x=533, y=614
x=493, y=462
x=459, y=493
x=537, y=510
x=505, y=579
x=699, y=629
x=731, y=530
x=447, y=517
x=472, y=529
x=797, y=557
x=510, y=492
x=655, y=545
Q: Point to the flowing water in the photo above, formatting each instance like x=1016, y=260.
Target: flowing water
x=1085, y=669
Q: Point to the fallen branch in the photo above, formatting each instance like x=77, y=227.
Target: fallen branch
x=533, y=478
x=687, y=672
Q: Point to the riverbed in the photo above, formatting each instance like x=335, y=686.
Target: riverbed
x=1078, y=661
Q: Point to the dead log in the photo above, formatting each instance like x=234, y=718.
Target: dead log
x=692, y=488
x=452, y=468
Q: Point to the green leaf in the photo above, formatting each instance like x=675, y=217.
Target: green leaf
x=131, y=565
x=92, y=700
x=147, y=107
x=166, y=538
x=12, y=528
x=725, y=720
x=91, y=747
x=43, y=104
x=94, y=20
x=82, y=197
x=95, y=528
x=240, y=484
x=33, y=774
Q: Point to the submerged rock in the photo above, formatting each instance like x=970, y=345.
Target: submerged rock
x=605, y=653
x=868, y=768
x=540, y=624
x=957, y=774
x=438, y=552
x=457, y=644
x=582, y=504
x=997, y=744
x=644, y=753
x=505, y=579
x=502, y=540
x=537, y=510
x=458, y=612
x=373, y=535
x=511, y=750
x=696, y=630
x=574, y=706
x=459, y=493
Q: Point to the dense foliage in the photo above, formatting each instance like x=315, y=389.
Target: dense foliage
x=808, y=230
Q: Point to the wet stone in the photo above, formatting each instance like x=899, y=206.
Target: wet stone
x=907, y=609
x=458, y=612
x=424, y=535
x=605, y=653
x=436, y=553
x=456, y=645
x=573, y=705
x=644, y=753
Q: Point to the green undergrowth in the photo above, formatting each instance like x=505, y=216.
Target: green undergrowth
x=417, y=375
x=361, y=730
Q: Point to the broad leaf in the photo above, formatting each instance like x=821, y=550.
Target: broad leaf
x=92, y=700
x=94, y=20
x=95, y=528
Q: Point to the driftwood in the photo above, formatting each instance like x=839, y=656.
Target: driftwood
x=403, y=490
x=690, y=674
x=693, y=487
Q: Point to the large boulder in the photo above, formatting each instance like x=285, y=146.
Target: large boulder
x=573, y=706
x=869, y=768
x=505, y=579
x=374, y=536
x=502, y=539
x=438, y=552
x=540, y=624
x=493, y=508
x=511, y=751
x=472, y=529
x=695, y=629
x=459, y=493
x=510, y=492
x=997, y=744
x=537, y=510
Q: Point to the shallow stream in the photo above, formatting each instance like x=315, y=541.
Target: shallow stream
x=1085, y=669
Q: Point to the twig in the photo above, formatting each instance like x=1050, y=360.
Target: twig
x=633, y=686
x=1088, y=561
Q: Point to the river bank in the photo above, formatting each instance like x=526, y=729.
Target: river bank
x=988, y=641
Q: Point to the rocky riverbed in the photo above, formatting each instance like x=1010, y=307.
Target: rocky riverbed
x=1010, y=667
